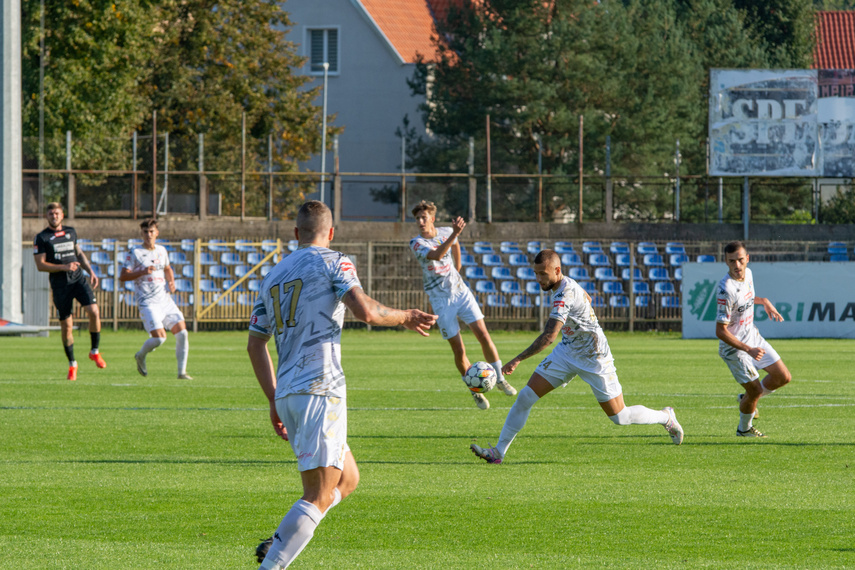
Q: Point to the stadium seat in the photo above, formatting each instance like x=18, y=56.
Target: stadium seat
x=653, y=260
x=242, y=270
x=645, y=247
x=510, y=287
x=589, y=287
x=111, y=271
x=206, y=258
x=678, y=259
x=218, y=245
x=521, y=301
x=838, y=257
x=467, y=260
x=293, y=245
x=187, y=271
x=245, y=300
x=706, y=259
x=134, y=242
x=96, y=269
x=208, y=286
x=188, y=245
x=254, y=285
x=578, y=273
x=642, y=301
x=636, y=274
x=562, y=247
x=230, y=258
x=177, y=257
x=101, y=258
x=485, y=287
x=599, y=260
x=86, y=244
x=518, y=259
x=526, y=274
x=475, y=272
x=664, y=288
x=184, y=285
x=678, y=274
x=640, y=288
x=836, y=247
x=533, y=288
x=107, y=284
x=510, y=247
x=604, y=274
x=491, y=260
x=496, y=301
x=658, y=274
x=166, y=245
x=623, y=260
x=482, y=247
x=129, y=286
x=254, y=258
x=534, y=247
x=245, y=246
x=108, y=244
x=619, y=301
x=590, y=247
x=619, y=247
x=670, y=302
x=597, y=301
x=265, y=269
x=269, y=245
x=613, y=288
x=219, y=272
x=229, y=282
x=674, y=247
x=570, y=259
x=501, y=273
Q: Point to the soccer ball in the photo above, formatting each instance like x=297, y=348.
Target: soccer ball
x=480, y=377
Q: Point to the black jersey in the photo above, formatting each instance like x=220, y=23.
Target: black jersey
x=60, y=247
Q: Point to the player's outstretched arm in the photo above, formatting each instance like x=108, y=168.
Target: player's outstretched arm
x=547, y=337
x=262, y=365
x=372, y=312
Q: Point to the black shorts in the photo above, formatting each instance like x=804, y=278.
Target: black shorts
x=63, y=297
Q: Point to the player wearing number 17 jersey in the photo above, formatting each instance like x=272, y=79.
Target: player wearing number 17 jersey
x=301, y=304
x=741, y=346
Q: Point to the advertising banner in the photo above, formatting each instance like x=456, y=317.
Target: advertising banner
x=815, y=299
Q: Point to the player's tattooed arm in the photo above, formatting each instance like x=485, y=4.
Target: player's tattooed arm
x=547, y=337
x=372, y=312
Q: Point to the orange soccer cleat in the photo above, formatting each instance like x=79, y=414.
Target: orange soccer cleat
x=72, y=372
x=96, y=358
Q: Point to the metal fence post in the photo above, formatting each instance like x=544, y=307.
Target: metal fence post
x=72, y=183
x=203, y=180
x=472, y=184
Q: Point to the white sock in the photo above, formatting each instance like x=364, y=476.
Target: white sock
x=497, y=366
x=336, y=500
x=516, y=419
x=639, y=415
x=182, y=348
x=745, y=421
x=766, y=391
x=294, y=533
x=151, y=344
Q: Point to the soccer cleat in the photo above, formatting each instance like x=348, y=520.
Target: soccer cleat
x=97, y=359
x=756, y=411
x=140, y=358
x=506, y=388
x=489, y=454
x=261, y=549
x=185, y=376
x=481, y=400
x=673, y=427
x=750, y=432
x=72, y=372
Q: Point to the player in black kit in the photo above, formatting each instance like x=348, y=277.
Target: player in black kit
x=56, y=252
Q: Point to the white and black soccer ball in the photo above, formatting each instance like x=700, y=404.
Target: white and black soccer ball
x=480, y=377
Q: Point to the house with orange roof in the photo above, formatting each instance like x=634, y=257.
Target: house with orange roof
x=371, y=47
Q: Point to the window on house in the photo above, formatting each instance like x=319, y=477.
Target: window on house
x=323, y=47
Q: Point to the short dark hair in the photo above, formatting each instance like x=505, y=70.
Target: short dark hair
x=53, y=206
x=549, y=257
x=425, y=206
x=314, y=217
x=734, y=246
x=148, y=224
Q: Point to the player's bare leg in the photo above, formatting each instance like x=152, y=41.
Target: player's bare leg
x=777, y=375
x=463, y=364
x=491, y=355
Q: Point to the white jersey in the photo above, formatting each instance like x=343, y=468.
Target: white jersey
x=300, y=304
x=735, y=301
x=582, y=336
x=150, y=289
x=441, y=278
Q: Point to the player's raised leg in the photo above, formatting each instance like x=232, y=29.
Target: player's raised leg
x=461, y=361
x=479, y=329
x=624, y=415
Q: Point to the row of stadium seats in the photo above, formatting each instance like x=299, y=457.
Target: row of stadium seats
x=615, y=301
x=186, y=245
x=588, y=247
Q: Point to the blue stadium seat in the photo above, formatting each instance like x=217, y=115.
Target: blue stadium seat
x=533, y=288
x=475, y=272
x=838, y=257
x=658, y=274
x=496, y=301
x=619, y=301
x=619, y=247
x=578, y=273
x=589, y=287
x=188, y=245
x=86, y=244
x=678, y=259
x=129, y=285
x=242, y=270
x=230, y=258
x=510, y=247
x=245, y=300
x=534, y=247
x=653, y=260
x=646, y=247
x=219, y=272
x=254, y=285
x=604, y=274
x=518, y=259
x=501, y=273
x=184, y=285
x=218, y=245
x=674, y=247
x=245, y=246
x=209, y=286
x=255, y=258
x=177, y=257
x=599, y=260
x=485, y=287
x=521, y=301
x=642, y=301
x=597, y=301
x=229, y=282
x=636, y=274
x=570, y=259
x=678, y=274
x=836, y=247
x=670, y=302
x=562, y=247
x=467, y=260
x=510, y=287
x=187, y=271
x=108, y=244
x=623, y=260
x=706, y=259
x=134, y=242
x=107, y=284
x=526, y=274
x=101, y=258
x=265, y=269
x=664, y=288
x=269, y=245
x=491, y=260
x=613, y=288
x=590, y=247
x=293, y=245
x=166, y=245
x=482, y=247
x=96, y=269
x=640, y=288
x=206, y=258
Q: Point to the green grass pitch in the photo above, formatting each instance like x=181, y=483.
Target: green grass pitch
x=119, y=471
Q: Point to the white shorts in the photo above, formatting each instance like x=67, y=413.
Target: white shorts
x=744, y=368
x=317, y=429
x=462, y=305
x=599, y=373
x=161, y=316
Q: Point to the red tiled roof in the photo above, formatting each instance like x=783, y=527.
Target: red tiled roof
x=835, y=40
x=407, y=25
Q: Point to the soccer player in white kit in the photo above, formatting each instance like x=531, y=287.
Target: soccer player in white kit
x=148, y=267
x=438, y=252
x=583, y=351
x=741, y=346
x=301, y=304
